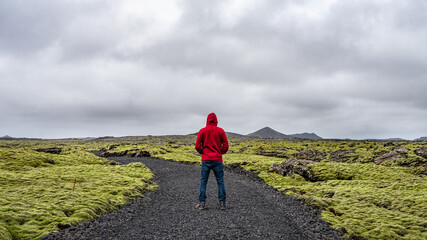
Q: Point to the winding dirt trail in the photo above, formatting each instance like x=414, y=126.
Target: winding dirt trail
x=255, y=211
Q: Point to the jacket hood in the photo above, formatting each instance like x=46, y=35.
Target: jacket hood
x=212, y=120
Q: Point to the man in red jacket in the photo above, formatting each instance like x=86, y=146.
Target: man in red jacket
x=212, y=143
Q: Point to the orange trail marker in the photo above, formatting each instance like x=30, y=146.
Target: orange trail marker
x=75, y=180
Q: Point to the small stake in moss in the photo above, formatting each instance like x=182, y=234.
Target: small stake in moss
x=75, y=180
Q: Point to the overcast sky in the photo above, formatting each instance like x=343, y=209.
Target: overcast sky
x=341, y=69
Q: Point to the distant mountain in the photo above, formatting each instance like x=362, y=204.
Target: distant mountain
x=421, y=139
x=396, y=139
x=305, y=136
x=267, y=133
x=6, y=137
x=232, y=134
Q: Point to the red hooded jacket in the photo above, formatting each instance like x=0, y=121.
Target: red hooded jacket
x=211, y=141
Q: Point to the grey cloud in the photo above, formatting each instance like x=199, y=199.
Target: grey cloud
x=352, y=69
x=28, y=26
x=24, y=27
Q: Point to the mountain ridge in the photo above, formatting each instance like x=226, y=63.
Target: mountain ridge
x=306, y=135
x=421, y=139
x=267, y=132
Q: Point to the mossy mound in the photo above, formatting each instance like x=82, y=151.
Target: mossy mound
x=4, y=233
x=368, y=200
x=37, y=193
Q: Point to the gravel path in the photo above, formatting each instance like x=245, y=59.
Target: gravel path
x=255, y=211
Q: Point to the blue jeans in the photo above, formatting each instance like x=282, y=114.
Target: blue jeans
x=218, y=169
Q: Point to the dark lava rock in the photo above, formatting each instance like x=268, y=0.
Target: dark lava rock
x=290, y=167
x=114, y=154
x=142, y=154
x=311, y=154
x=354, y=237
x=266, y=153
x=113, y=146
x=52, y=150
x=422, y=152
x=388, y=144
x=63, y=226
x=261, y=151
x=392, y=155
x=329, y=194
x=342, y=156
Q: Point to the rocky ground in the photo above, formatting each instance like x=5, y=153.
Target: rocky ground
x=255, y=211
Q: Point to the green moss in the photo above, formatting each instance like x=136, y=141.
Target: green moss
x=377, y=198
x=4, y=233
x=356, y=196
x=35, y=196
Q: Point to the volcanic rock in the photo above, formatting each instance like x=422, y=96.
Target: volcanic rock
x=113, y=154
x=342, y=155
x=52, y=150
x=290, y=167
x=311, y=154
x=392, y=155
x=113, y=146
x=422, y=152
x=266, y=153
x=142, y=154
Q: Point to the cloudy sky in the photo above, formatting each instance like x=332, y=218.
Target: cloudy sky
x=341, y=69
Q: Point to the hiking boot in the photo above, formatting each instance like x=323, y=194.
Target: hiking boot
x=222, y=206
x=201, y=206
